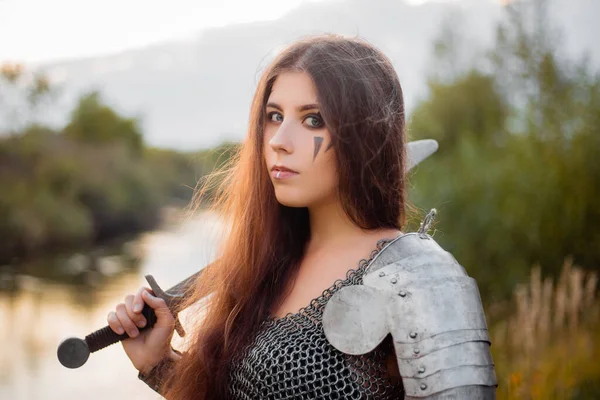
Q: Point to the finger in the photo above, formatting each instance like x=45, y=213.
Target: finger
x=127, y=323
x=164, y=317
x=138, y=301
x=114, y=324
x=137, y=319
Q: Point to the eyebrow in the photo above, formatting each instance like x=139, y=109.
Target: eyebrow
x=305, y=107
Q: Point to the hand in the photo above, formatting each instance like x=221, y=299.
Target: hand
x=144, y=349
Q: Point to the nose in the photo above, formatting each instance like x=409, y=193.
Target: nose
x=281, y=140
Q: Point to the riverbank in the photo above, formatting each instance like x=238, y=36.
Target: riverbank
x=87, y=265
x=61, y=193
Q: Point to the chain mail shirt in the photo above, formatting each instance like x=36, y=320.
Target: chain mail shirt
x=290, y=358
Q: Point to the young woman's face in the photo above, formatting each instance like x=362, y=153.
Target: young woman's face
x=297, y=139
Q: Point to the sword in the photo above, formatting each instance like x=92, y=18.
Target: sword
x=74, y=352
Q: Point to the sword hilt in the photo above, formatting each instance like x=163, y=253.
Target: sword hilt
x=74, y=352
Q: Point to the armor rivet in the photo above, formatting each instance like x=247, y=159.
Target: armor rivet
x=382, y=273
x=421, y=370
x=423, y=386
x=413, y=335
x=402, y=293
x=416, y=351
x=394, y=280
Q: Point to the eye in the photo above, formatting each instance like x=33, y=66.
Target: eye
x=314, y=121
x=274, y=116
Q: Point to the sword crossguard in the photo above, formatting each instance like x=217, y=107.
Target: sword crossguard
x=170, y=299
x=74, y=352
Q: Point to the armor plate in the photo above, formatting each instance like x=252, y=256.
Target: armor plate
x=417, y=292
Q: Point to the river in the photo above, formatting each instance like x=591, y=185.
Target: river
x=71, y=295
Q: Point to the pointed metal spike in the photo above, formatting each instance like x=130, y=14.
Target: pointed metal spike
x=419, y=150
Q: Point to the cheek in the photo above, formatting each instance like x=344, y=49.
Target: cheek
x=315, y=185
x=322, y=165
x=327, y=173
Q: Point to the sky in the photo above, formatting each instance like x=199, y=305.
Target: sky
x=37, y=31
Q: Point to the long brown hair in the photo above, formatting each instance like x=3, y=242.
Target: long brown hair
x=361, y=103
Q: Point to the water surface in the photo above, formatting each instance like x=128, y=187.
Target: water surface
x=49, y=300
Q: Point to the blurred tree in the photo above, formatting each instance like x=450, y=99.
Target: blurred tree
x=470, y=105
x=452, y=50
x=79, y=185
x=94, y=122
x=22, y=95
x=516, y=179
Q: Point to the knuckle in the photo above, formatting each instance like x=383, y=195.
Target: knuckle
x=162, y=302
x=128, y=298
x=124, y=318
x=111, y=317
x=137, y=298
x=166, y=314
x=129, y=309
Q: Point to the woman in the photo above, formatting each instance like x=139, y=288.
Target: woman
x=318, y=188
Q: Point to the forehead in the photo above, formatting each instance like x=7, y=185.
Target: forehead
x=293, y=88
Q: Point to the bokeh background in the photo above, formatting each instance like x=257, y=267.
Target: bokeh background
x=111, y=112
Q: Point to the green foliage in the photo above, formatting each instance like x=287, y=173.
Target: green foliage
x=468, y=106
x=94, y=122
x=91, y=181
x=181, y=174
x=516, y=179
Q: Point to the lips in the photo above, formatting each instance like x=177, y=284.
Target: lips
x=282, y=169
x=280, y=172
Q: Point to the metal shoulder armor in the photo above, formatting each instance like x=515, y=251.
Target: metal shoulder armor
x=417, y=292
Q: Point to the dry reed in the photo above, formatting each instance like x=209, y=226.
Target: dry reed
x=549, y=346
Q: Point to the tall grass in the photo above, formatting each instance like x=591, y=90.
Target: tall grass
x=547, y=346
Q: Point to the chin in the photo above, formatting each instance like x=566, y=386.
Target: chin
x=289, y=199
x=290, y=202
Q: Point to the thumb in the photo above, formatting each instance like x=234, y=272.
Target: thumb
x=164, y=317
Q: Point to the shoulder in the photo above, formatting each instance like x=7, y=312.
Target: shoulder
x=417, y=292
x=415, y=256
x=413, y=289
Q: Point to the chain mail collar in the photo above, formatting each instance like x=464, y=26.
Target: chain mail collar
x=290, y=357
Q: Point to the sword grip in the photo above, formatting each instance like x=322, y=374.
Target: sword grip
x=74, y=352
x=104, y=337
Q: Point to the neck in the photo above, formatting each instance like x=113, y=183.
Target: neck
x=330, y=227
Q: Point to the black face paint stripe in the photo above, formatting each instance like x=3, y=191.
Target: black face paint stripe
x=329, y=146
x=318, y=142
